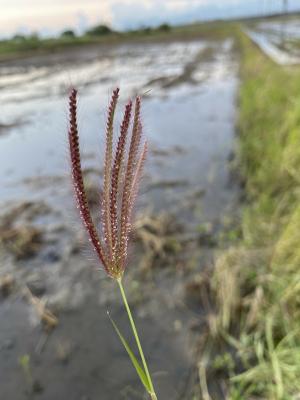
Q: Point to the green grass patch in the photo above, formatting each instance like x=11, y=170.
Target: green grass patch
x=256, y=284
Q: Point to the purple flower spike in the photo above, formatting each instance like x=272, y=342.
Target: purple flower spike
x=122, y=172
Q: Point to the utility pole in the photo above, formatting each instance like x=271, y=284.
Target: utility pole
x=285, y=6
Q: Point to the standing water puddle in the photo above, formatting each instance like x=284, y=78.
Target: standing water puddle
x=189, y=114
x=278, y=39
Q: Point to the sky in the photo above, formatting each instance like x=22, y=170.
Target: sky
x=50, y=17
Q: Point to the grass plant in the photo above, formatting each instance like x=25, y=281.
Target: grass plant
x=122, y=171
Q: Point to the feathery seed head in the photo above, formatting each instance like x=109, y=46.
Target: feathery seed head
x=122, y=171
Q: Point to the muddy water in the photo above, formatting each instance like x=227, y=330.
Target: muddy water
x=189, y=94
x=276, y=38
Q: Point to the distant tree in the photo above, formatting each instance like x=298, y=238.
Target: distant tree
x=164, y=27
x=99, y=30
x=69, y=33
x=33, y=37
x=146, y=29
x=19, y=38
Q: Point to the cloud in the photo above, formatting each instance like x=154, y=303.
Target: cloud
x=55, y=15
x=133, y=13
x=136, y=13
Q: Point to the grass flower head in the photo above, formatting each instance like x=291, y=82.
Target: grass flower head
x=123, y=165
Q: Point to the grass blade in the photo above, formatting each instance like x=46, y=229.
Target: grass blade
x=141, y=373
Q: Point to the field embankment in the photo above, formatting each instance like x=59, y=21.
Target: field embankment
x=23, y=47
x=256, y=282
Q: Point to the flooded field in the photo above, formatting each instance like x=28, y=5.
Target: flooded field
x=279, y=39
x=188, y=196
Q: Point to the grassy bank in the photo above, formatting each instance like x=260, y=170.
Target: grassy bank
x=256, y=283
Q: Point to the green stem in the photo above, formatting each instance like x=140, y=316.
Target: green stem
x=152, y=393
